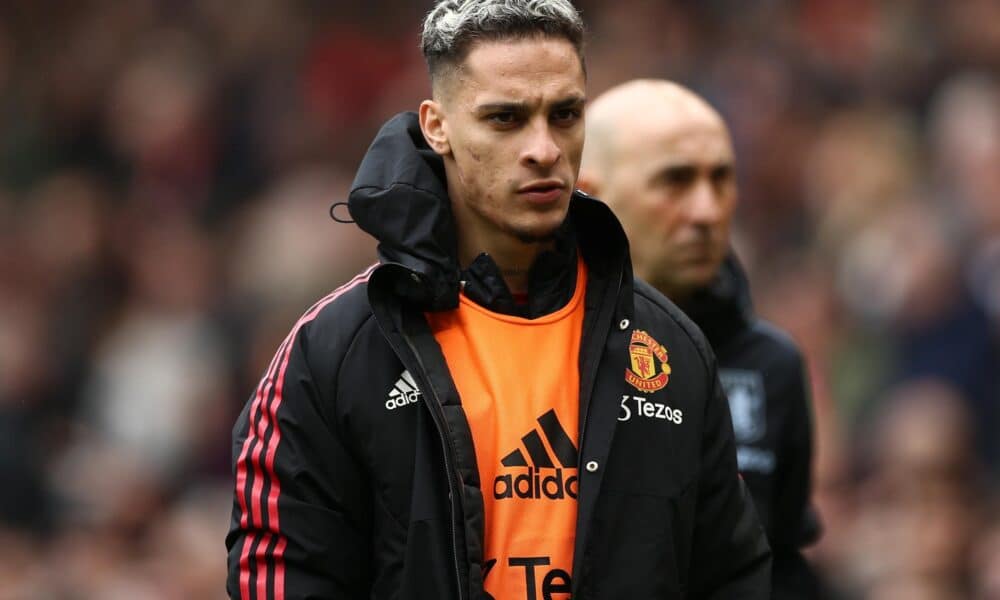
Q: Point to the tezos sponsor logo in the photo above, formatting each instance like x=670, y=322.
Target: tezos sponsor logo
x=548, y=583
x=638, y=406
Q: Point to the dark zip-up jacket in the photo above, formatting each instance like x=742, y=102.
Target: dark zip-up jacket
x=764, y=377
x=355, y=468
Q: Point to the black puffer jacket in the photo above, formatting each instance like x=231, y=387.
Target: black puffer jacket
x=764, y=377
x=355, y=466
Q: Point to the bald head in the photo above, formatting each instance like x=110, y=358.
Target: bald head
x=662, y=158
x=638, y=108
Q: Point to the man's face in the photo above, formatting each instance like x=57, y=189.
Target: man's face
x=513, y=125
x=671, y=182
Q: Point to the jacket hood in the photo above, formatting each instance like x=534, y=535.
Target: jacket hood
x=724, y=308
x=399, y=196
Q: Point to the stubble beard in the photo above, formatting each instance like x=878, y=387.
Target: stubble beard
x=527, y=237
x=524, y=235
x=535, y=235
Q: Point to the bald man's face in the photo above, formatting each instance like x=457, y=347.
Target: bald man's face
x=670, y=179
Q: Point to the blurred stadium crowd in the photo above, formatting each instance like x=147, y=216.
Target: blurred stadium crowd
x=166, y=168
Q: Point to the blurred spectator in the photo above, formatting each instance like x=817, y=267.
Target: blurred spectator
x=986, y=559
x=920, y=499
x=159, y=123
x=964, y=134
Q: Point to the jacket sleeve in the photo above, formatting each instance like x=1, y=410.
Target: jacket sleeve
x=731, y=559
x=795, y=525
x=300, y=522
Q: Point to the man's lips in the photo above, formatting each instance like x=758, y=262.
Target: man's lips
x=696, y=252
x=542, y=192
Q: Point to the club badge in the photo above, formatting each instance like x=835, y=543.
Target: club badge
x=649, y=370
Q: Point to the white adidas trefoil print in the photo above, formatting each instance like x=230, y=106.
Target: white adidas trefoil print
x=403, y=392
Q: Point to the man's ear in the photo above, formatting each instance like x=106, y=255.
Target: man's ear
x=432, y=125
x=589, y=183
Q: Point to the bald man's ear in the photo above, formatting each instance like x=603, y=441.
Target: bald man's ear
x=589, y=183
x=432, y=125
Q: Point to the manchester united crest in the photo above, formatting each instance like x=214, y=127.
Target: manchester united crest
x=649, y=370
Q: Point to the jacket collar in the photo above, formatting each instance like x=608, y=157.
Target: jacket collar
x=400, y=197
x=724, y=308
x=551, y=281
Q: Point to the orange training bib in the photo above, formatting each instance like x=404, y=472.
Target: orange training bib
x=519, y=383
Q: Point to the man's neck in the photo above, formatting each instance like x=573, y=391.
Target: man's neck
x=513, y=257
x=680, y=297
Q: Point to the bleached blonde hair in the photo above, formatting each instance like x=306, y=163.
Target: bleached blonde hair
x=453, y=25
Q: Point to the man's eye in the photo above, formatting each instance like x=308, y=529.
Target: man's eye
x=722, y=175
x=678, y=177
x=566, y=115
x=502, y=118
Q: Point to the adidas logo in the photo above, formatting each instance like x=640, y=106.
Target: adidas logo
x=403, y=392
x=554, y=485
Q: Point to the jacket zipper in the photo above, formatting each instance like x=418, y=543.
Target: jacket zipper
x=445, y=446
x=590, y=398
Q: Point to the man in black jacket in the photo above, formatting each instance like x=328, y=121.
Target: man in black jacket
x=496, y=409
x=661, y=157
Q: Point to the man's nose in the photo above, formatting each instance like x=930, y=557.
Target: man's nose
x=705, y=204
x=541, y=149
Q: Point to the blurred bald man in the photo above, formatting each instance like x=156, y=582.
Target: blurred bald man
x=662, y=158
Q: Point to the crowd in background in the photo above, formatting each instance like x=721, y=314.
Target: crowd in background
x=166, y=170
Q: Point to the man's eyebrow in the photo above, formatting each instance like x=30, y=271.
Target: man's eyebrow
x=569, y=102
x=671, y=164
x=674, y=165
x=521, y=107
x=502, y=107
x=679, y=167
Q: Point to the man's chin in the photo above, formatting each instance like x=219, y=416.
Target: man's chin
x=531, y=237
x=538, y=233
x=685, y=280
x=701, y=277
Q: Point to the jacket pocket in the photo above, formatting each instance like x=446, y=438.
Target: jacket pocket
x=640, y=545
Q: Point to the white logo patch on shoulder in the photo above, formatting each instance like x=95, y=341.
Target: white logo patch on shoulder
x=403, y=392
x=747, y=403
